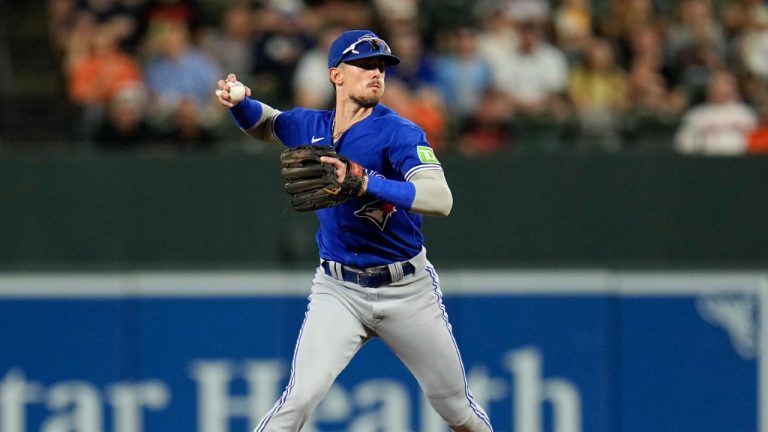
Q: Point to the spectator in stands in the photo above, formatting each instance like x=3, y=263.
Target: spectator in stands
x=696, y=25
x=733, y=17
x=125, y=127
x=696, y=46
x=598, y=91
x=311, y=88
x=649, y=96
x=719, y=126
x=424, y=108
x=157, y=15
x=534, y=76
x=280, y=42
x=417, y=67
x=646, y=48
x=230, y=42
x=121, y=16
x=463, y=75
x=500, y=33
x=75, y=39
x=624, y=18
x=393, y=13
x=497, y=38
x=527, y=10
x=653, y=109
x=344, y=13
x=180, y=71
x=96, y=76
x=487, y=132
x=753, y=89
x=757, y=10
x=95, y=73
x=509, y=63
x=104, y=10
x=187, y=128
x=753, y=44
x=61, y=20
x=655, y=97
x=573, y=27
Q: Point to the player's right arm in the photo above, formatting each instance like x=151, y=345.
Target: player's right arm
x=255, y=118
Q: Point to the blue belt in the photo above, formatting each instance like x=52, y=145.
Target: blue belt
x=372, y=277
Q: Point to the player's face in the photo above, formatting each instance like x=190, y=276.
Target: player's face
x=364, y=81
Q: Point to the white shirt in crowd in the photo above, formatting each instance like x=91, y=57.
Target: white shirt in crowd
x=531, y=77
x=311, y=80
x=716, y=129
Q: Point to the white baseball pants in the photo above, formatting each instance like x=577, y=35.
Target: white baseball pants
x=409, y=317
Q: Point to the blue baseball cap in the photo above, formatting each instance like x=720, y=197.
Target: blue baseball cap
x=359, y=44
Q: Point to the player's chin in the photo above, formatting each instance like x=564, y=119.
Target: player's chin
x=368, y=101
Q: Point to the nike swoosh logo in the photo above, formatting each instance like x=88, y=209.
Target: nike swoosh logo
x=314, y=140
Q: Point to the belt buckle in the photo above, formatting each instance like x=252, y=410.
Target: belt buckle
x=366, y=276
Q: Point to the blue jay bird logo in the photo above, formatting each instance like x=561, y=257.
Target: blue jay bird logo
x=377, y=212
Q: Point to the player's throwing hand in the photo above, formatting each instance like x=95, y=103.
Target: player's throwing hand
x=226, y=91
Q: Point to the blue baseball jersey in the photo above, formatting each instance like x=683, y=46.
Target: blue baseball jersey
x=365, y=232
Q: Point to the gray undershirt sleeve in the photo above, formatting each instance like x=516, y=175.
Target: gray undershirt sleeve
x=433, y=196
x=263, y=130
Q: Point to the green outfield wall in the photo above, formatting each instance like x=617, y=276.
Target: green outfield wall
x=229, y=211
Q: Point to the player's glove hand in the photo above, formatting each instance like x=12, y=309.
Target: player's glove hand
x=313, y=184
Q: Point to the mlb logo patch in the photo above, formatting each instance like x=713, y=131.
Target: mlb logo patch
x=426, y=155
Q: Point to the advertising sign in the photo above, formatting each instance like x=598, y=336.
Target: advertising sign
x=543, y=351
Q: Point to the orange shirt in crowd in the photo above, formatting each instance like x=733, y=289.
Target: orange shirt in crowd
x=757, y=140
x=96, y=78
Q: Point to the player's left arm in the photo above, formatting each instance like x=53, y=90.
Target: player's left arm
x=426, y=192
x=432, y=195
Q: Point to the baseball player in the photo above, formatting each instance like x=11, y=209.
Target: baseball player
x=374, y=279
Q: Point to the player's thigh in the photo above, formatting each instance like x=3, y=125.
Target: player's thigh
x=329, y=337
x=424, y=342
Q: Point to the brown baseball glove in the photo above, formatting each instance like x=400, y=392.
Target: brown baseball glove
x=312, y=184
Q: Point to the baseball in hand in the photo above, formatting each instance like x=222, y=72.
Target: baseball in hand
x=236, y=91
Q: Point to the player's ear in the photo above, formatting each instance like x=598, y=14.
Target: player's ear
x=336, y=75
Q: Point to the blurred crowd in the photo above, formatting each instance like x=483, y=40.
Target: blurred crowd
x=480, y=77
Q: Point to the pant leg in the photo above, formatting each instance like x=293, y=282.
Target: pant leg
x=421, y=336
x=329, y=338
